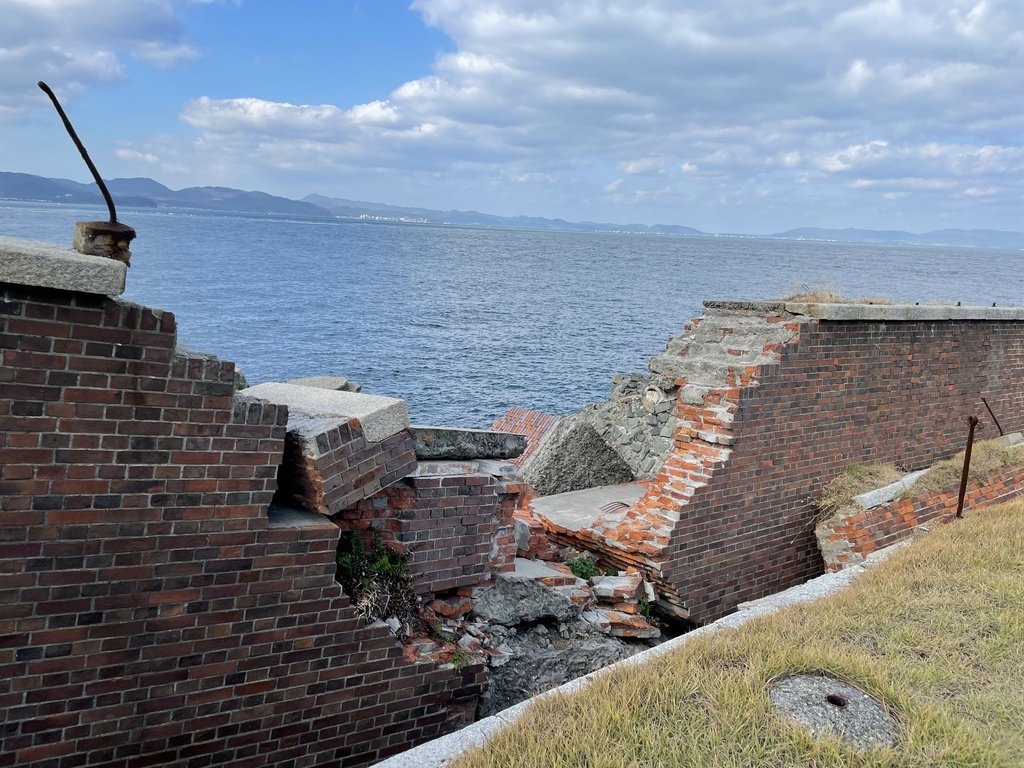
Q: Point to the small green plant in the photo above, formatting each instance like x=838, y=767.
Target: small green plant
x=583, y=567
x=378, y=581
x=460, y=659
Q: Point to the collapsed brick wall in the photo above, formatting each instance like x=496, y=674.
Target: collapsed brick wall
x=533, y=425
x=843, y=392
x=149, y=614
x=457, y=529
x=851, y=535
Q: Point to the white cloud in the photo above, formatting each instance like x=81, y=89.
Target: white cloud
x=792, y=109
x=77, y=44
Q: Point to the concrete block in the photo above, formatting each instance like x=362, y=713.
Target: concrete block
x=380, y=417
x=27, y=262
x=461, y=444
x=337, y=383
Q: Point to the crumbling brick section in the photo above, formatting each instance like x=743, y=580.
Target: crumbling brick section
x=457, y=528
x=533, y=425
x=851, y=535
x=150, y=615
x=843, y=392
x=331, y=468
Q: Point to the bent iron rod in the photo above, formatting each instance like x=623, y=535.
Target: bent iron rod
x=81, y=148
x=972, y=422
x=993, y=416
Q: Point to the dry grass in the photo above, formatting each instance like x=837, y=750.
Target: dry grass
x=986, y=458
x=827, y=294
x=936, y=632
x=853, y=481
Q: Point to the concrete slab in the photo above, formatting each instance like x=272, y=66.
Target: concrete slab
x=460, y=444
x=287, y=517
x=380, y=417
x=336, y=383
x=29, y=262
x=880, y=312
x=885, y=494
x=576, y=510
x=533, y=570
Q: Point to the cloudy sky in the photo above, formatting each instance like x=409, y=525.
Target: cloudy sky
x=726, y=115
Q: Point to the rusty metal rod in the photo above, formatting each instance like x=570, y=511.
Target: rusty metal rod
x=81, y=148
x=993, y=416
x=973, y=422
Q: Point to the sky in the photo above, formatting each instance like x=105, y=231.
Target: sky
x=725, y=115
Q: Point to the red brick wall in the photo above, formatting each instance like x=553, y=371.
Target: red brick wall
x=844, y=393
x=533, y=425
x=148, y=614
x=457, y=528
x=855, y=533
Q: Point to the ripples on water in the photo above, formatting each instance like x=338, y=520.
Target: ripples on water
x=464, y=323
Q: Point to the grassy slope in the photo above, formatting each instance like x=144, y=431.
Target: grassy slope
x=936, y=632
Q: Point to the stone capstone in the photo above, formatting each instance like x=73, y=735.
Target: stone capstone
x=380, y=417
x=573, y=457
x=451, y=443
x=26, y=262
x=336, y=383
x=519, y=599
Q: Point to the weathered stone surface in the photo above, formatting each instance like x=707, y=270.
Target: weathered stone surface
x=622, y=624
x=880, y=496
x=463, y=444
x=541, y=658
x=27, y=262
x=522, y=534
x=515, y=600
x=379, y=417
x=618, y=588
x=336, y=383
x=827, y=706
x=103, y=238
x=574, y=457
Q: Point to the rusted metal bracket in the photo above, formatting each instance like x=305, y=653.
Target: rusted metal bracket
x=972, y=421
x=95, y=238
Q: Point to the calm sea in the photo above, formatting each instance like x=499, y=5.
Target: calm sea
x=464, y=323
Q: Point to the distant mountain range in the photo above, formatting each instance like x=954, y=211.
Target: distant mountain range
x=144, y=192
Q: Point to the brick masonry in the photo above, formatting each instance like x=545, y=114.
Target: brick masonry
x=533, y=425
x=842, y=393
x=329, y=467
x=149, y=614
x=770, y=407
x=457, y=528
x=848, y=537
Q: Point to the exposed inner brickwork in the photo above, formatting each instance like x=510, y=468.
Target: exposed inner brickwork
x=329, y=469
x=533, y=425
x=457, y=528
x=855, y=533
x=770, y=407
x=149, y=614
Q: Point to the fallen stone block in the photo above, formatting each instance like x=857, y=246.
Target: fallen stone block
x=514, y=600
x=463, y=444
x=618, y=588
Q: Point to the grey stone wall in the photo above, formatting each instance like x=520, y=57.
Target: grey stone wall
x=637, y=421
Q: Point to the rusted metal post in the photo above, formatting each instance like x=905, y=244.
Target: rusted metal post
x=972, y=422
x=95, y=238
x=992, y=414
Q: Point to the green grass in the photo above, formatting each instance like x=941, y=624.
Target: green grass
x=853, y=481
x=986, y=458
x=936, y=633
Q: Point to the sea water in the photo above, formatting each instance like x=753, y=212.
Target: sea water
x=463, y=322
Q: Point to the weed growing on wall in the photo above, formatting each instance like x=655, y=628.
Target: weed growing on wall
x=583, y=567
x=378, y=581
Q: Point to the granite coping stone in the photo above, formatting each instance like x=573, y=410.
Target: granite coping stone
x=440, y=752
x=875, y=312
x=456, y=443
x=380, y=417
x=45, y=265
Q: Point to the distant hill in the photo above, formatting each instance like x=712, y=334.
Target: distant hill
x=145, y=192
x=962, y=238
x=358, y=209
